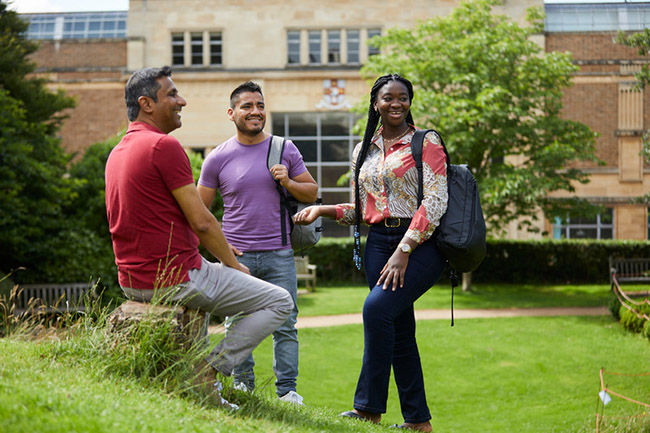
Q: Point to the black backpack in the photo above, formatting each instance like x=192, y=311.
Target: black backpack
x=461, y=233
x=302, y=237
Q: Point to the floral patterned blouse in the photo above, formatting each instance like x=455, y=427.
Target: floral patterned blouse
x=388, y=185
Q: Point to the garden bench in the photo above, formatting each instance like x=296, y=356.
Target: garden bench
x=630, y=270
x=52, y=298
x=306, y=272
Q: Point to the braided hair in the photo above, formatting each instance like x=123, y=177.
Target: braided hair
x=373, y=121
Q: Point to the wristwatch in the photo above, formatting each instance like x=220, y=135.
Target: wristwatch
x=405, y=248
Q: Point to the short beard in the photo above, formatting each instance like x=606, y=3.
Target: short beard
x=251, y=132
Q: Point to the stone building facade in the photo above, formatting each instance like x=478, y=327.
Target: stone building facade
x=307, y=59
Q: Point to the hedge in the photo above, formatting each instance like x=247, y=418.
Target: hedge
x=506, y=261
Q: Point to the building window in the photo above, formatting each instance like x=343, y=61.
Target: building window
x=326, y=142
x=326, y=47
x=596, y=17
x=334, y=46
x=579, y=227
x=372, y=50
x=293, y=47
x=314, y=46
x=216, y=57
x=178, y=49
x=354, y=45
x=196, y=42
x=205, y=49
x=76, y=25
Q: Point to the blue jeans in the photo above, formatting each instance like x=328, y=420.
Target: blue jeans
x=276, y=267
x=389, y=326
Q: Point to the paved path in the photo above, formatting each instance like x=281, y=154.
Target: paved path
x=444, y=314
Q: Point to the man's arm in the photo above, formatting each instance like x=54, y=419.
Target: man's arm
x=302, y=187
x=207, y=195
x=205, y=225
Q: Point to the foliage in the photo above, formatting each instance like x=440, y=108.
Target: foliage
x=34, y=190
x=567, y=261
x=631, y=320
x=496, y=99
x=41, y=105
x=89, y=206
x=641, y=41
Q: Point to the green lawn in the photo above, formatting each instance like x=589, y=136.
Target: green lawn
x=346, y=299
x=522, y=374
x=486, y=375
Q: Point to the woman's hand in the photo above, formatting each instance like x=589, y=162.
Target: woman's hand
x=393, y=272
x=308, y=215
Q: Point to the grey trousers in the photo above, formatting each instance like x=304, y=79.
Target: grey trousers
x=260, y=306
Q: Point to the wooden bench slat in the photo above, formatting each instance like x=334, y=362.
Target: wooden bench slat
x=53, y=297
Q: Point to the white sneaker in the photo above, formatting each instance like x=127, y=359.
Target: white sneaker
x=292, y=397
x=240, y=386
x=218, y=387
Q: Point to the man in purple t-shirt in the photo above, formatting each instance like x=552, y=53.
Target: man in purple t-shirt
x=238, y=169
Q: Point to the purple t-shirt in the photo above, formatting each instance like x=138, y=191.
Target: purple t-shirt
x=251, y=219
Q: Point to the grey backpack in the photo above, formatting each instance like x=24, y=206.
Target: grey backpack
x=302, y=237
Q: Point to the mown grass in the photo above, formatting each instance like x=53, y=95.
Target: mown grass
x=525, y=374
x=483, y=375
x=349, y=299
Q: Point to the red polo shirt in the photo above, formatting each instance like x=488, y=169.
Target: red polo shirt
x=153, y=242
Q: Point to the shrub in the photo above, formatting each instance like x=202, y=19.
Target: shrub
x=507, y=261
x=614, y=306
x=646, y=329
x=631, y=320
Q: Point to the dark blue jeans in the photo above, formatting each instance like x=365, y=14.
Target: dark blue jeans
x=389, y=326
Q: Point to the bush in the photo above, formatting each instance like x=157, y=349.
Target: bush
x=614, y=306
x=646, y=329
x=631, y=321
x=507, y=261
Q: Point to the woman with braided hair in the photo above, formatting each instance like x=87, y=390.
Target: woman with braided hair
x=401, y=260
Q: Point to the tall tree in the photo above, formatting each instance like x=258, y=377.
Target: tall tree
x=496, y=99
x=33, y=187
x=641, y=41
x=40, y=104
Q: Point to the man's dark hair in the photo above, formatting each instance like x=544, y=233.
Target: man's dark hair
x=143, y=83
x=248, y=86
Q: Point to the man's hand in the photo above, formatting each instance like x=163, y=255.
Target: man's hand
x=235, y=251
x=244, y=269
x=281, y=174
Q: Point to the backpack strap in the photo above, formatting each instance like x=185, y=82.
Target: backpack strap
x=416, y=151
x=273, y=157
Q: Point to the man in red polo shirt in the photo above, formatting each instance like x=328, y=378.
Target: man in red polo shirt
x=157, y=219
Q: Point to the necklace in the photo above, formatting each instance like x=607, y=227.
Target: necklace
x=389, y=141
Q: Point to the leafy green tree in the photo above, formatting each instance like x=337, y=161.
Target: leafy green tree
x=39, y=103
x=496, y=99
x=34, y=190
x=641, y=41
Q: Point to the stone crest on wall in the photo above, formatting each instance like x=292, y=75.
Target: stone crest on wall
x=333, y=95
